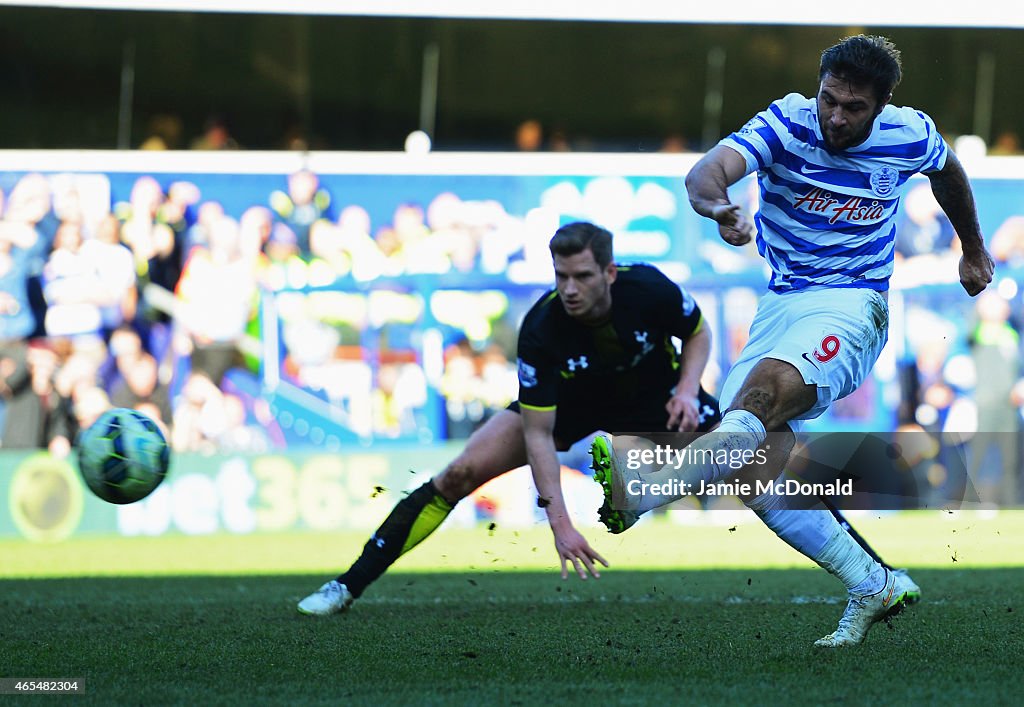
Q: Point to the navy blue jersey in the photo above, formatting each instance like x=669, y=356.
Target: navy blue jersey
x=627, y=361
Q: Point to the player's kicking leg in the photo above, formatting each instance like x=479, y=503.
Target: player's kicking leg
x=773, y=393
x=494, y=449
x=615, y=514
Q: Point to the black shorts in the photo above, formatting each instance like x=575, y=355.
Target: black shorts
x=573, y=423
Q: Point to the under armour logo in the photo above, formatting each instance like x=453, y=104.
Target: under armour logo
x=704, y=413
x=379, y=542
x=573, y=364
x=641, y=337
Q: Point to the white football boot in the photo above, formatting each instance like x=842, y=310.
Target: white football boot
x=332, y=598
x=863, y=611
x=909, y=587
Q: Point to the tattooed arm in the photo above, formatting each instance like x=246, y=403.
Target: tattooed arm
x=953, y=192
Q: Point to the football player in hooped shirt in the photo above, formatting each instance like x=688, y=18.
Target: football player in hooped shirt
x=831, y=171
x=596, y=353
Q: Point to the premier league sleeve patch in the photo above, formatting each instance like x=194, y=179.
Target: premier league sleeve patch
x=688, y=304
x=753, y=125
x=527, y=374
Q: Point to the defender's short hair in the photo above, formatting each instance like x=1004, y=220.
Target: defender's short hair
x=579, y=236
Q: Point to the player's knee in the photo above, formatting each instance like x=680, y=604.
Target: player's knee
x=759, y=400
x=457, y=481
x=775, y=392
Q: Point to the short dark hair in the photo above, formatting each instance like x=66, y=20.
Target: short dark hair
x=579, y=236
x=864, y=60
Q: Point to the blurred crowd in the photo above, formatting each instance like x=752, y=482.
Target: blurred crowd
x=154, y=303
x=151, y=302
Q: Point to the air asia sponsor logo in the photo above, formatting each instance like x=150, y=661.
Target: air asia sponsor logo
x=854, y=209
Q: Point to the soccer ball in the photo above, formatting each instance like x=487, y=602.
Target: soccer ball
x=123, y=456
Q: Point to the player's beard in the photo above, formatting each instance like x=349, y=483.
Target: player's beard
x=846, y=139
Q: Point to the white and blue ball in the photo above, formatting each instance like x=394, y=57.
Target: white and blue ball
x=123, y=456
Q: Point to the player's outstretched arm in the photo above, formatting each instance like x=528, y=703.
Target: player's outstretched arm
x=707, y=186
x=538, y=429
x=952, y=190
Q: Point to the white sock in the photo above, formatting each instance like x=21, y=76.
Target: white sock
x=819, y=536
x=848, y=561
x=805, y=530
x=710, y=458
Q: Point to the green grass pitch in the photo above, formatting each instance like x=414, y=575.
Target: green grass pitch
x=696, y=614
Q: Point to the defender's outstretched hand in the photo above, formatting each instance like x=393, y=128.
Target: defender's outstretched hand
x=573, y=547
x=733, y=225
x=683, y=413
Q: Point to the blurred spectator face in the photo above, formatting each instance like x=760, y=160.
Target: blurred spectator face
x=125, y=346
x=141, y=376
x=388, y=241
x=68, y=205
x=409, y=224
x=224, y=237
x=80, y=369
x=387, y=378
x=109, y=230
x=209, y=212
x=529, y=136
x=255, y=227
x=991, y=307
x=462, y=251
x=354, y=218
x=163, y=240
x=217, y=136
x=42, y=364
x=1006, y=143
x=68, y=237
x=184, y=193
x=146, y=197
x=30, y=200
x=89, y=402
x=199, y=389
x=172, y=212
x=324, y=240
x=443, y=212
x=302, y=187
x=283, y=243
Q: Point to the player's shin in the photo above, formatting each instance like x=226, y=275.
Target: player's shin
x=817, y=534
x=413, y=519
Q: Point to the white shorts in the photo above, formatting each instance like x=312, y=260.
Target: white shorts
x=833, y=336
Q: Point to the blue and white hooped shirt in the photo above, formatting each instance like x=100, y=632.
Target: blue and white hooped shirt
x=827, y=218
